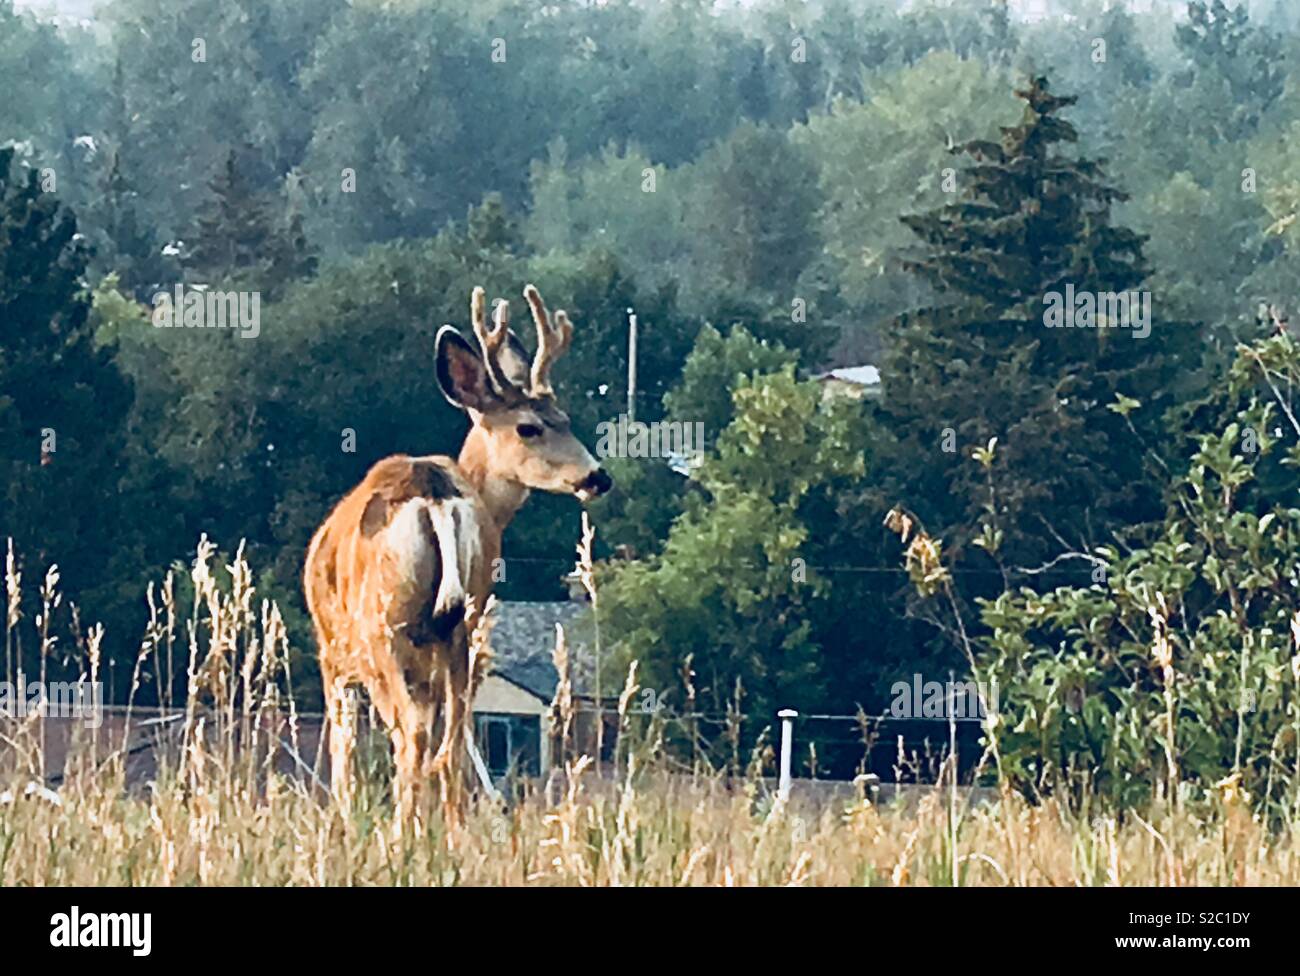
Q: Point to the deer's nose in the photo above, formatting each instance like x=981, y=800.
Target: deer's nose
x=597, y=483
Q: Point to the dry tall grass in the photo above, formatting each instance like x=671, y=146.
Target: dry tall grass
x=222, y=810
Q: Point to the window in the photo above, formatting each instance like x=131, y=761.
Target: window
x=494, y=736
x=508, y=743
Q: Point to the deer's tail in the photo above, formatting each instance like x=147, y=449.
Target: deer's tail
x=458, y=552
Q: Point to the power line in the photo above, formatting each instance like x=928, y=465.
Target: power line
x=895, y=570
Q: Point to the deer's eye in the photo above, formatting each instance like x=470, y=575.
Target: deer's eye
x=529, y=430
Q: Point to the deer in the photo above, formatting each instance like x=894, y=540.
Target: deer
x=399, y=573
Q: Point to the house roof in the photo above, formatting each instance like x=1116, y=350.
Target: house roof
x=865, y=375
x=524, y=637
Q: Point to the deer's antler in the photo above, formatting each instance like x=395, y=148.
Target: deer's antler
x=552, y=340
x=491, y=341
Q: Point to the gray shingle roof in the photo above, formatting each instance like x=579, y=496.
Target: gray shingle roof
x=524, y=637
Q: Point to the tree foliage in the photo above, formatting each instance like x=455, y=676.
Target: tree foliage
x=63, y=401
x=1183, y=661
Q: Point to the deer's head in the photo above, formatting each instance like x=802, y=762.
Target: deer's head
x=519, y=434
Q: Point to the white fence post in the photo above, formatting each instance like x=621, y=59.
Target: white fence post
x=787, y=717
x=480, y=766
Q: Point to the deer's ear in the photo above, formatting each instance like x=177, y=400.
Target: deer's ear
x=461, y=373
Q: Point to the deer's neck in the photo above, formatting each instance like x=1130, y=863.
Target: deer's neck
x=502, y=497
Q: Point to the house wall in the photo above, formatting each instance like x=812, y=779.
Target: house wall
x=497, y=695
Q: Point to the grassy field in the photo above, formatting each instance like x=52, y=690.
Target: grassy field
x=215, y=829
x=220, y=809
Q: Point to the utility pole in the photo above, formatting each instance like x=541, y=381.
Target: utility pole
x=631, y=366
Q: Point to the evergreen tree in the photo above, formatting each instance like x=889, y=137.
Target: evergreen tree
x=489, y=231
x=63, y=403
x=1075, y=411
x=244, y=239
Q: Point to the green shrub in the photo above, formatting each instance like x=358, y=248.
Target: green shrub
x=1180, y=663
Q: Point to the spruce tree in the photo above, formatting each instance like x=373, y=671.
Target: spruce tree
x=63, y=403
x=242, y=239
x=1074, y=454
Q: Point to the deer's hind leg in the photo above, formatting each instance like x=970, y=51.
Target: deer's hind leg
x=412, y=714
x=448, y=763
x=410, y=741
